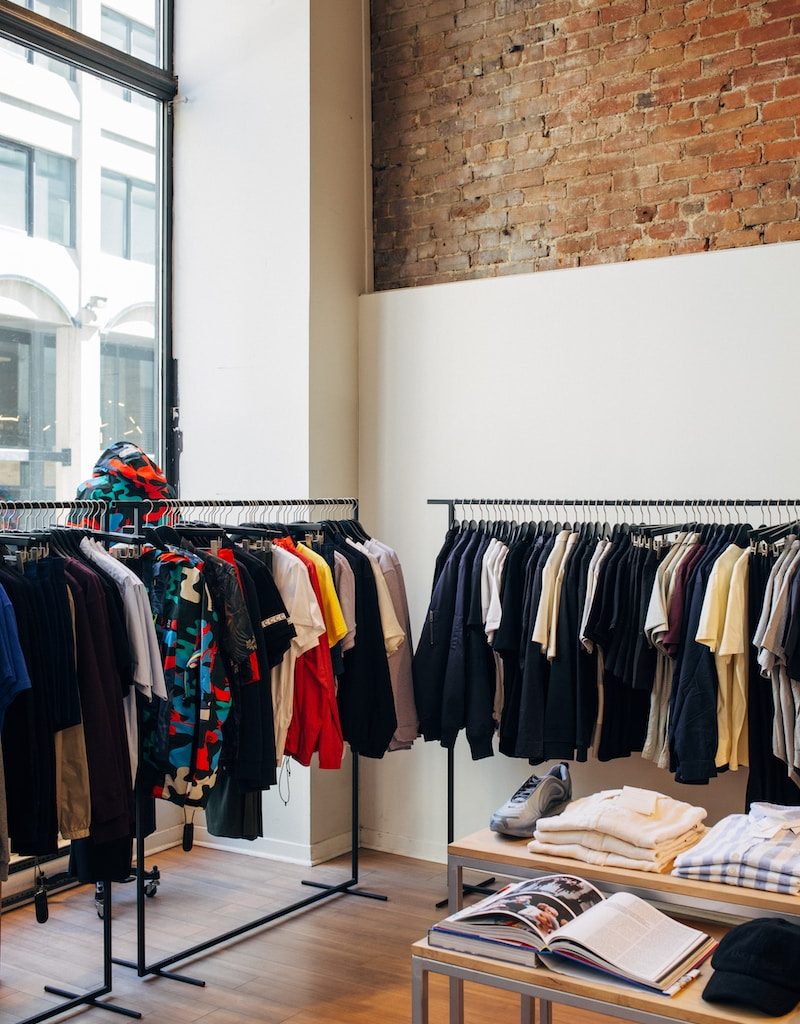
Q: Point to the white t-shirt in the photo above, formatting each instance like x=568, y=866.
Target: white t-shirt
x=294, y=585
x=148, y=673
x=393, y=633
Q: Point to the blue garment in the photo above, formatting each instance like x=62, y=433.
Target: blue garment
x=14, y=676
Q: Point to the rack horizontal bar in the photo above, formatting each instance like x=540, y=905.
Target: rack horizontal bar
x=635, y=502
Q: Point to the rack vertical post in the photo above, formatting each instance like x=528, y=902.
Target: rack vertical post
x=75, y=1000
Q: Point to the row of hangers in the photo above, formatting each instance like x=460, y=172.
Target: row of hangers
x=66, y=540
x=641, y=533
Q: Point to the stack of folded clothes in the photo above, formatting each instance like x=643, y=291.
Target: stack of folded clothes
x=760, y=850
x=623, y=828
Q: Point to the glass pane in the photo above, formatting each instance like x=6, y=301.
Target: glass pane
x=128, y=392
x=143, y=223
x=132, y=37
x=62, y=11
x=56, y=66
x=136, y=31
x=14, y=389
x=113, y=212
x=18, y=51
x=13, y=185
x=145, y=12
x=62, y=311
x=114, y=29
x=143, y=42
x=52, y=197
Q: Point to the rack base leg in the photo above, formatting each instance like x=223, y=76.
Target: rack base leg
x=469, y=890
x=348, y=891
x=161, y=973
x=94, y=1001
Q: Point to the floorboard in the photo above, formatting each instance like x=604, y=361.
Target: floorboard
x=342, y=961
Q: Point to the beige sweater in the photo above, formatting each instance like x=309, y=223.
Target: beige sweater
x=640, y=817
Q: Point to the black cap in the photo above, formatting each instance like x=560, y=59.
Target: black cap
x=756, y=964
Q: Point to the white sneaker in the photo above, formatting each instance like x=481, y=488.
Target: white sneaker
x=537, y=797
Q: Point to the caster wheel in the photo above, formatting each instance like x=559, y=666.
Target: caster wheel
x=151, y=889
x=100, y=910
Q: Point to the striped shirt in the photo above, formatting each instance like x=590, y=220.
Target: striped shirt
x=759, y=850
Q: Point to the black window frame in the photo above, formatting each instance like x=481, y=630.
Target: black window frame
x=30, y=186
x=34, y=31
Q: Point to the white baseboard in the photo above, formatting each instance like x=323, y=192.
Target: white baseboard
x=304, y=854
x=403, y=846
x=165, y=839
x=335, y=846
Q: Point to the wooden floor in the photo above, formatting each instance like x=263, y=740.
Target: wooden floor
x=343, y=961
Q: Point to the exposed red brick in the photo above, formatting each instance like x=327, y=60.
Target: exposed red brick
x=513, y=136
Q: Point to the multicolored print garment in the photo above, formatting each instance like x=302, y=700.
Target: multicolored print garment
x=124, y=472
x=183, y=738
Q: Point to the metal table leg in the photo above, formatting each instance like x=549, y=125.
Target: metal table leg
x=419, y=991
x=455, y=887
x=456, y=1001
x=527, y=1010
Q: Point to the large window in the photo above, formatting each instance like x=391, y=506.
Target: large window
x=128, y=218
x=84, y=326
x=37, y=192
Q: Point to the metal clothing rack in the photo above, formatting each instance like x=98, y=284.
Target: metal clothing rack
x=33, y=514
x=347, y=887
x=74, y=1000
x=699, y=507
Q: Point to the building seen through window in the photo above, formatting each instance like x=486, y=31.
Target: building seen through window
x=61, y=11
x=80, y=351
x=131, y=37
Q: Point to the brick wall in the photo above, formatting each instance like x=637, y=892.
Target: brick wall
x=519, y=135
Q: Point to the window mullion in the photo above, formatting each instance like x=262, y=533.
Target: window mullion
x=128, y=216
x=30, y=178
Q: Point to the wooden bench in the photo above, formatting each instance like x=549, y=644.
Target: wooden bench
x=710, y=901
x=547, y=987
x=715, y=904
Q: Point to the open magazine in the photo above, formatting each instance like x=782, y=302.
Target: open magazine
x=565, y=923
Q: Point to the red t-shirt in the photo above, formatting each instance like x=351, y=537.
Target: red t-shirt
x=315, y=724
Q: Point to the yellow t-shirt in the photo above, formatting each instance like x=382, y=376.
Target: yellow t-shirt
x=331, y=609
x=710, y=632
x=735, y=645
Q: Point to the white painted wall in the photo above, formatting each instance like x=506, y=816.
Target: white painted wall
x=270, y=222
x=241, y=310
x=670, y=377
x=337, y=250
